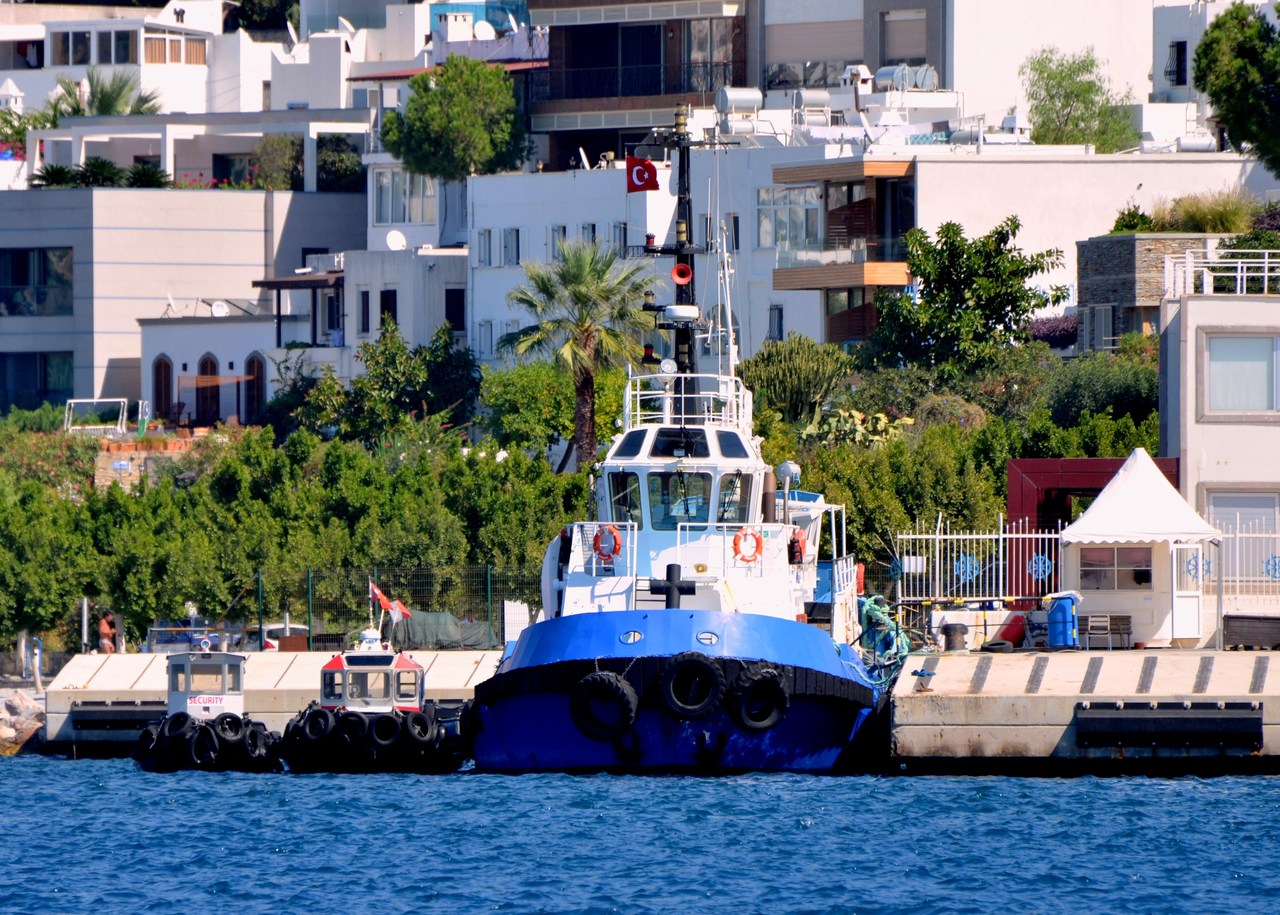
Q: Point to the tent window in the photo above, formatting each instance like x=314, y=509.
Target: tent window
x=1110, y=568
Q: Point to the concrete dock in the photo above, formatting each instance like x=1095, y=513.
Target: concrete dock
x=98, y=703
x=1066, y=712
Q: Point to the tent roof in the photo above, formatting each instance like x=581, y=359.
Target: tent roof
x=1139, y=505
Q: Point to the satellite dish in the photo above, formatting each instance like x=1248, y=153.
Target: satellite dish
x=586, y=163
x=483, y=31
x=396, y=240
x=293, y=33
x=344, y=24
x=220, y=309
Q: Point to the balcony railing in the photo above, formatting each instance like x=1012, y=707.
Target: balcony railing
x=1222, y=273
x=874, y=249
x=613, y=82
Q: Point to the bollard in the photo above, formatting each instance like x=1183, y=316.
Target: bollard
x=953, y=636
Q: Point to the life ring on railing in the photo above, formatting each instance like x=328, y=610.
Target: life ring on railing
x=608, y=553
x=757, y=544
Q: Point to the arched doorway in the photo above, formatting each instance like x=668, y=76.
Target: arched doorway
x=255, y=388
x=208, y=403
x=162, y=388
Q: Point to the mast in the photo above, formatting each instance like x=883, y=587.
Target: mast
x=681, y=318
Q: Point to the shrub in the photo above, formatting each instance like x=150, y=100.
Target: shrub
x=98, y=172
x=1132, y=219
x=144, y=174
x=1095, y=382
x=1267, y=218
x=1230, y=211
x=1059, y=331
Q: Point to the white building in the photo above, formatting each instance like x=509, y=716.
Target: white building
x=1220, y=407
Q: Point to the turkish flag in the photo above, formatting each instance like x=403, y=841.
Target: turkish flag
x=641, y=175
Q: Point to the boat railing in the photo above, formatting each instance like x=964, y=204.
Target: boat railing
x=844, y=576
x=688, y=400
x=729, y=550
x=600, y=558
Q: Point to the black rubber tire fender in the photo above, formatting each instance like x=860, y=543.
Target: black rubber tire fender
x=177, y=725
x=384, y=729
x=255, y=743
x=692, y=685
x=148, y=737
x=420, y=728
x=204, y=746
x=317, y=724
x=760, y=698
x=229, y=727
x=603, y=705
x=353, y=726
x=998, y=646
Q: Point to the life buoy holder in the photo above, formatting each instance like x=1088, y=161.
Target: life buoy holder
x=795, y=550
x=603, y=552
x=740, y=541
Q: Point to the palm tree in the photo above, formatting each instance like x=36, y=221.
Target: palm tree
x=584, y=306
x=115, y=94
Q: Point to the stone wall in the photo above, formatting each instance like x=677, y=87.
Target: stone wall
x=128, y=462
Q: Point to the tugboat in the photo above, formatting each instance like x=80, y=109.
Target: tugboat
x=691, y=627
x=373, y=716
x=206, y=727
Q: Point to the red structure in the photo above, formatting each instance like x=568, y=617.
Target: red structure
x=1041, y=489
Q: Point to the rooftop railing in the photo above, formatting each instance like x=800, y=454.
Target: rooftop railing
x=689, y=400
x=1242, y=272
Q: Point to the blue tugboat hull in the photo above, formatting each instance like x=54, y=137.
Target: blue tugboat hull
x=671, y=691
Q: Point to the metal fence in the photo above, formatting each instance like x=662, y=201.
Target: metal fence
x=334, y=604
x=1250, y=557
x=1009, y=564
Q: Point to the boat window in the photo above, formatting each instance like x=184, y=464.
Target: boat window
x=734, y=501
x=206, y=678
x=374, y=685
x=624, y=495
x=679, y=498
x=178, y=679
x=406, y=684
x=680, y=442
x=331, y=685
x=731, y=445
x=631, y=444
x=233, y=678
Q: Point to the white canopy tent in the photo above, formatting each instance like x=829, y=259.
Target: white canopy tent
x=1140, y=506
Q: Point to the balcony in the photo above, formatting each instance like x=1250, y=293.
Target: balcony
x=862, y=261
x=647, y=80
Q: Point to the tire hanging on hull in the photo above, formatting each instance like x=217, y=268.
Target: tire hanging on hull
x=603, y=705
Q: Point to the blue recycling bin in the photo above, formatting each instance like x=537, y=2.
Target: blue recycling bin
x=1064, y=629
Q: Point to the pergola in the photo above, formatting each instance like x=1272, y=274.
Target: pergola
x=313, y=282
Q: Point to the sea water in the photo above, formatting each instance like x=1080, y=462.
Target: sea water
x=101, y=836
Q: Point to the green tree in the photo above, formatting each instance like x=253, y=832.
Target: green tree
x=453, y=377
x=114, y=94
x=796, y=376
x=461, y=119
x=14, y=127
x=586, y=309
x=278, y=160
x=1070, y=101
x=974, y=300
x=338, y=165
x=1237, y=64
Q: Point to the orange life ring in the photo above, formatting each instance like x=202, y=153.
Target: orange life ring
x=605, y=555
x=743, y=535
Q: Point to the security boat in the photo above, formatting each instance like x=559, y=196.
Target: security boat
x=373, y=716
x=692, y=626
x=206, y=726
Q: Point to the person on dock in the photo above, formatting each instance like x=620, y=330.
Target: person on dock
x=107, y=633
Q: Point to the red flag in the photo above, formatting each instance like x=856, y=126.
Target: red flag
x=375, y=593
x=641, y=175
x=398, y=612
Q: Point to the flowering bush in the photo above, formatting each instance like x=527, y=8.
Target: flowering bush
x=53, y=459
x=1058, y=331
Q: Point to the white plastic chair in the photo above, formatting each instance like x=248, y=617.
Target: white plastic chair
x=1097, y=627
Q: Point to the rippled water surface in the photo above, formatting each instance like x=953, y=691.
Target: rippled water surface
x=100, y=836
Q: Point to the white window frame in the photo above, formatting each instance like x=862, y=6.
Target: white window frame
x=511, y=247
x=559, y=235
